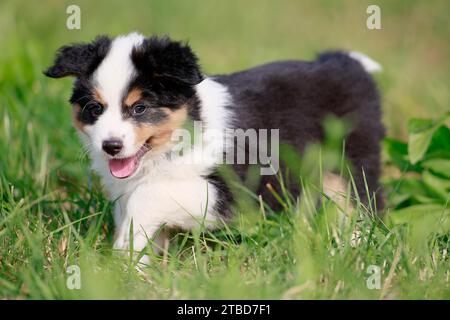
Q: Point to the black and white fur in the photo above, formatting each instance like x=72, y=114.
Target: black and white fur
x=292, y=96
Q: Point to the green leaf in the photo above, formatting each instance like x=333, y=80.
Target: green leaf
x=410, y=190
x=421, y=132
x=425, y=199
x=422, y=220
x=397, y=153
x=411, y=186
x=415, y=213
x=437, y=185
x=440, y=144
x=419, y=125
x=419, y=142
x=439, y=166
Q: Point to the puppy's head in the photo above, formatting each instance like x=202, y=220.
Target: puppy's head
x=129, y=95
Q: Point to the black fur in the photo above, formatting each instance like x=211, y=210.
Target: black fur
x=79, y=60
x=82, y=94
x=167, y=60
x=294, y=96
x=224, y=197
x=167, y=72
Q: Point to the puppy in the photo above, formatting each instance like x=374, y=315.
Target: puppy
x=133, y=94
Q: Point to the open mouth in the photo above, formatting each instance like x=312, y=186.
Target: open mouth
x=122, y=168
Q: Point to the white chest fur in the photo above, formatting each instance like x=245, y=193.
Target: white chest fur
x=166, y=194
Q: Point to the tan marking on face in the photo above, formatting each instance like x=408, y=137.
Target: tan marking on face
x=159, y=135
x=77, y=123
x=98, y=97
x=133, y=96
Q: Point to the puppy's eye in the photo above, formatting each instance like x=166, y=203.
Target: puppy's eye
x=139, y=109
x=95, y=109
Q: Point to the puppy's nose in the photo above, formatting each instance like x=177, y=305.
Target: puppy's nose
x=112, y=147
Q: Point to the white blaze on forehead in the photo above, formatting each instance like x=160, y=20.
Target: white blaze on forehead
x=115, y=71
x=111, y=79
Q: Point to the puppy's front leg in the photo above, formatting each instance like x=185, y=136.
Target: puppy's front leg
x=143, y=235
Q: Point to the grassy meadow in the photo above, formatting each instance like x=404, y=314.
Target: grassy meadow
x=53, y=213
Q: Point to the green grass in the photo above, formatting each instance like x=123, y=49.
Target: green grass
x=53, y=213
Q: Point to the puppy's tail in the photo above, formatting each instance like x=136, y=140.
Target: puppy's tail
x=367, y=63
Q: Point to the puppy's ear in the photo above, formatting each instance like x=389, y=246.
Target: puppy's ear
x=165, y=59
x=79, y=59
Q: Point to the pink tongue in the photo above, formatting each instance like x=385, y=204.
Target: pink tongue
x=123, y=168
